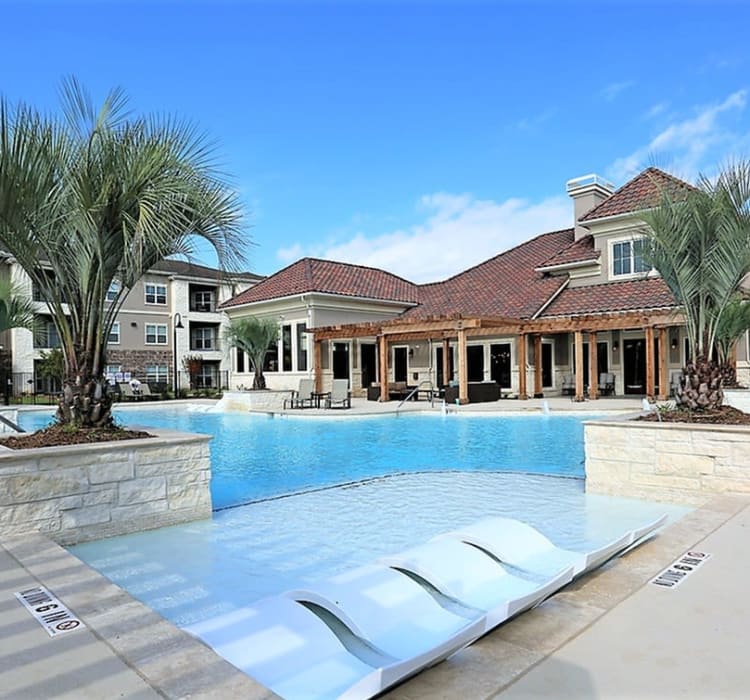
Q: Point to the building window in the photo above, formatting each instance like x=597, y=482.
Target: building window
x=114, y=334
x=203, y=301
x=156, y=334
x=113, y=373
x=158, y=374
x=114, y=290
x=47, y=336
x=240, y=360
x=156, y=294
x=301, y=347
x=628, y=257
x=271, y=361
x=203, y=339
x=286, y=348
x=208, y=376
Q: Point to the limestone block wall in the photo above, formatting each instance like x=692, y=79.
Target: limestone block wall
x=84, y=492
x=671, y=462
x=268, y=400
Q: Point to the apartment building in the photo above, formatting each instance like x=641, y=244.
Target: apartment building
x=170, y=314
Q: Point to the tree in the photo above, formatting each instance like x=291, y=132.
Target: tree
x=700, y=244
x=733, y=323
x=255, y=336
x=93, y=197
x=16, y=309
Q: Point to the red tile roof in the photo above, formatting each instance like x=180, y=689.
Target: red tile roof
x=643, y=191
x=326, y=276
x=581, y=250
x=507, y=285
x=629, y=295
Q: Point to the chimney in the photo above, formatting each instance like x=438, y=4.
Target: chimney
x=587, y=191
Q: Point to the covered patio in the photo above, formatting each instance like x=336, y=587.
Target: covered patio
x=452, y=335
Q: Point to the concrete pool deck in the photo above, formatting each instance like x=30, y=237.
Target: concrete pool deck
x=612, y=634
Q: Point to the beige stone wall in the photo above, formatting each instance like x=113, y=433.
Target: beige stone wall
x=86, y=492
x=669, y=462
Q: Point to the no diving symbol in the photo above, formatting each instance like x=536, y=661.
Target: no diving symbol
x=67, y=625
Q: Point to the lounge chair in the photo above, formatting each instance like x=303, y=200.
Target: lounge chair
x=607, y=383
x=290, y=649
x=473, y=578
x=145, y=391
x=396, y=615
x=569, y=385
x=524, y=547
x=126, y=392
x=302, y=398
x=340, y=394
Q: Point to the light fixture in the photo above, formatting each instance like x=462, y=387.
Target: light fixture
x=674, y=344
x=176, y=323
x=615, y=346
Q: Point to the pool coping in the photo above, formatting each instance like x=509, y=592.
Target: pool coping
x=154, y=658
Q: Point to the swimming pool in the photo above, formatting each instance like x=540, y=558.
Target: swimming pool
x=257, y=456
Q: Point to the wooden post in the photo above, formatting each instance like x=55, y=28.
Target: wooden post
x=593, y=367
x=663, y=355
x=538, y=393
x=463, y=381
x=579, y=365
x=649, y=362
x=318, y=364
x=383, y=367
x=446, y=362
x=522, y=390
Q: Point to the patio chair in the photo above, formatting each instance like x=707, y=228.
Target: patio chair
x=674, y=383
x=569, y=385
x=607, y=383
x=340, y=396
x=126, y=392
x=303, y=397
x=146, y=391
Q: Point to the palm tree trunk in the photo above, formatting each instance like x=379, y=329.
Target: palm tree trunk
x=701, y=386
x=259, y=381
x=86, y=405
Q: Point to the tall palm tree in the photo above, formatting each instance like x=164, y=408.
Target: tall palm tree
x=16, y=309
x=700, y=244
x=734, y=322
x=95, y=196
x=255, y=336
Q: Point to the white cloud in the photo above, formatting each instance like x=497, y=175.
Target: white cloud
x=688, y=144
x=656, y=110
x=612, y=91
x=459, y=231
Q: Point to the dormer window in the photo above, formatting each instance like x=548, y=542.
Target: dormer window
x=628, y=257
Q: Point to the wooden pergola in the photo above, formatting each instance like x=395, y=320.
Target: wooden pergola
x=655, y=325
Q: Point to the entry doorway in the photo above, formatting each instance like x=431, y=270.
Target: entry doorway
x=634, y=365
x=500, y=371
x=341, y=360
x=602, y=360
x=441, y=380
x=369, y=363
x=400, y=364
x=546, y=365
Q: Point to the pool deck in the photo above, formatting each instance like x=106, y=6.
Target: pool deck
x=611, y=634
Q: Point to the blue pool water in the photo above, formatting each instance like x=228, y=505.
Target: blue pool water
x=257, y=456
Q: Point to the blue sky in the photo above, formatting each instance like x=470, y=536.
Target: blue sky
x=421, y=136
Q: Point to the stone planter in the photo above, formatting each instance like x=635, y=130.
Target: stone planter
x=85, y=492
x=671, y=462
x=254, y=400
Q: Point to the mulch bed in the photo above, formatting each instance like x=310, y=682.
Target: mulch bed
x=726, y=415
x=58, y=435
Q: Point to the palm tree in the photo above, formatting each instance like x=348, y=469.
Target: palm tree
x=700, y=244
x=255, y=336
x=733, y=323
x=94, y=197
x=16, y=309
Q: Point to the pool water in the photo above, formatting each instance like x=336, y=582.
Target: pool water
x=257, y=456
x=191, y=573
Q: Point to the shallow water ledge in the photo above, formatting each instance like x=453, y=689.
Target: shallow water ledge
x=78, y=493
x=669, y=462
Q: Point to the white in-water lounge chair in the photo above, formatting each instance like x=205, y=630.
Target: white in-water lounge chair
x=396, y=615
x=289, y=649
x=524, y=547
x=474, y=579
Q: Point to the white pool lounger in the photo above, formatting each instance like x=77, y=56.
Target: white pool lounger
x=464, y=573
x=524, y=547
x=396, y=615
x=291, y=650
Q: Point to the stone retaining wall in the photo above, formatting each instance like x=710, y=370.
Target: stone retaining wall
x=85, y=492
x=671, y=462
x=264, y=400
